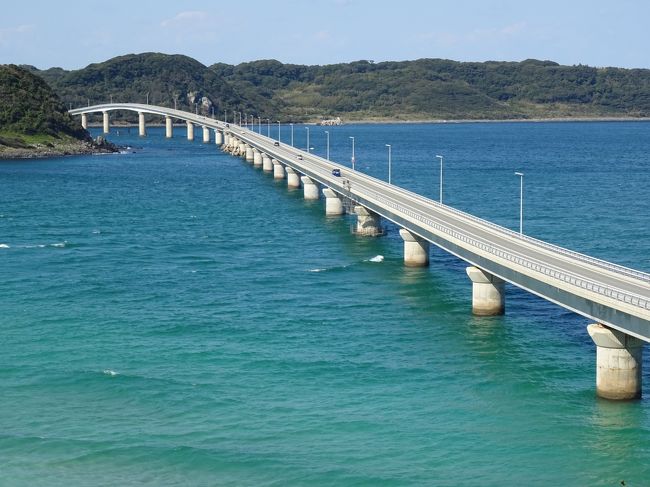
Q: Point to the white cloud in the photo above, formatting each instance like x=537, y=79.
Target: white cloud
x=8, y=34
x=186, y=18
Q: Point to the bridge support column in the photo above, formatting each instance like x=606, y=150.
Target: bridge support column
x=267, y=164
x=368, y=222
x=416, y=249
x=333, y=204
x=190, y=130
x=169, y=127
x=241, y=151
x=206, y=135
x=618, y=363
x=142, y=130
x=278, y=170
x=293, y=178
x=250, y=157
x=310, y=188
x=257, y=158
x=218, y=137
x=107, y=125
x=488, y=292
x=84, y=120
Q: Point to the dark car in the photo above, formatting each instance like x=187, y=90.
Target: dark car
x=276, y=143
x=336, y=172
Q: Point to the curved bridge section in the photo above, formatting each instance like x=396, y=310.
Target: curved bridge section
x=616, y=298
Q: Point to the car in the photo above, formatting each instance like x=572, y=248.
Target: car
x=336, y=172
x=299, y=157
x=276, y=143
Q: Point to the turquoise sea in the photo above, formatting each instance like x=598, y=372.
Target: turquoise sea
x=174, y=317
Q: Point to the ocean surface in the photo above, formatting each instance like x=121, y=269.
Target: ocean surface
x=172, y=316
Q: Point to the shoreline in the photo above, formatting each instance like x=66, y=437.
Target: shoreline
x=42, y=151
x=431, y=121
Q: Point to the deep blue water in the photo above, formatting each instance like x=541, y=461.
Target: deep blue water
x=173, y=316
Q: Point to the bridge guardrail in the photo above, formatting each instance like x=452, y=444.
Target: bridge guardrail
x=614, y=293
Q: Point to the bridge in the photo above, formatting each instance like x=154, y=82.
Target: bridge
x=615, y=298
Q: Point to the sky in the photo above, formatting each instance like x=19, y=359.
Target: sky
x=72, y=34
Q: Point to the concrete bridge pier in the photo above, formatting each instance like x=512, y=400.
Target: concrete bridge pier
x=293, y=178
x=107, y=125
x=416, y=249
x=263, y=160
x=267, y=164
x=249, y=155
x=241, y=149
x=169, y=127
x=218, y=137
x=333, y=204
x=257, y=157
x=142, y=129
x=278, y=170
x=190, y=130
x=310, y=188
x=368, y=222
x=488, y=292
x=206, y=135
x=84, y=120
x=619, y=359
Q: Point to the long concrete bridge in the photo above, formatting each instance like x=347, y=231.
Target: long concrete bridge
x=615, y=298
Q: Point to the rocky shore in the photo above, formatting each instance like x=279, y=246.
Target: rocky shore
x=56, y=148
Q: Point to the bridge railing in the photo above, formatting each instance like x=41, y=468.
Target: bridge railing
x=610, y=292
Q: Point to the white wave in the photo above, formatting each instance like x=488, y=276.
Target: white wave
x=60, y=244
x=376, y=258
x=39, y=246
x=4, y=246
x=97, y=232
x=110, y=372
x=317, y=270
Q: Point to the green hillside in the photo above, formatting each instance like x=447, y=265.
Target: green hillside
x=30, y=108
x=363, y=90
x=35, y=123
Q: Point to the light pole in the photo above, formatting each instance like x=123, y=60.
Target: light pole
x=196, y=108
x=234, y=117
x=225, y=116
x=212, y=112
x=245, y=119
x=111, y=98
x=291, y=134
x=307, y=129
x=268, y=127
x=328, y=144
x=147, y=97
x=440, y=157
x=259, y=121
x=352, y=152
x=389, y=161
x=521, y=201
x=175, y=101
x=278, y=130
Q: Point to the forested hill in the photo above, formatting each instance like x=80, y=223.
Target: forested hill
x=408, y=90
x=29, y=107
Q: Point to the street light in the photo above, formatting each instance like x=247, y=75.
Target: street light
x=440, y=157
x=521, y=201
x=307, y=128
x=352, y=152
x=268, y=127
x=225, y=116
x=389, y=161
x=328, y=144
x=259, y=121
x=291, y=134
x=213, y=112
x=196, y=108
x=278, y=130
x=147, y=97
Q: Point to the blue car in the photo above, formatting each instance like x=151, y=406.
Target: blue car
x=336, y=172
